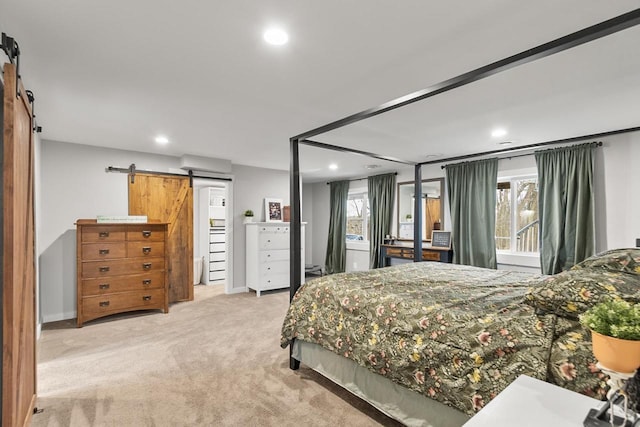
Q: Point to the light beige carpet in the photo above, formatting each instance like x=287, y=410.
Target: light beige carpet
x=215, y=361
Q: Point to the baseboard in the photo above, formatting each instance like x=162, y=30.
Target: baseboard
x=238, y=290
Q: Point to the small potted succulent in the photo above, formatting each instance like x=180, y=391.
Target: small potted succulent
x=615, y=334
x=408, y=217
x=248, y=216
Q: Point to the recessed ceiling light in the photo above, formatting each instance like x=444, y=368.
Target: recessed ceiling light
x=371, y=166
x=276, y=36
x=505, y=143
x=498, y=132
x=162, y=139
x=333, y=166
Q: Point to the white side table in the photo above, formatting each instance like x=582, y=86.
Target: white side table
x=531, y=402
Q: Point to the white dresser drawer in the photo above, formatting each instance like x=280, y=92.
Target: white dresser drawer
x=271, y=256
x=216, y=247
x=273, y=241
x=276, y=267
x=217, y=256
x=216, y=275
x=275, y=281
x=217, y=266
x=216, y=238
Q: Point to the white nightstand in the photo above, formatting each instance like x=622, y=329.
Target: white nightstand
x=531, y=402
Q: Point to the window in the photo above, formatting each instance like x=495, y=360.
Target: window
x=358, y=216
x=517, y=215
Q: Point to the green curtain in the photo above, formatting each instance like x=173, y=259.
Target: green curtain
x=337, y=242
x=381, y=190
x=472, y=200
x=566, y=206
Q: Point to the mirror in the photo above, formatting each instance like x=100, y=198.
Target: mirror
x=432, y=208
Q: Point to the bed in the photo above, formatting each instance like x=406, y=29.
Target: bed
x=452, y=337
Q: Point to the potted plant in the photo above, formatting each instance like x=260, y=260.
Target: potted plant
x=248, y=216
x=408, y=217
x=615, y=334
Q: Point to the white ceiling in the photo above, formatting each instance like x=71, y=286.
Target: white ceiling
x=118, y=73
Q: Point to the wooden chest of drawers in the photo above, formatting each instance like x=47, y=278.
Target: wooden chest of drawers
x=121, y=267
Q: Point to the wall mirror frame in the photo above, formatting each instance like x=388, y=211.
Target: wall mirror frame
x=432, y=208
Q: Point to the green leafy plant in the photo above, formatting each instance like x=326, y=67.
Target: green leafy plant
x=248, y=212
x=615, y=318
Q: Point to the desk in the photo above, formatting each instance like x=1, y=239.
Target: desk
x=531, y=402
x=401, y=253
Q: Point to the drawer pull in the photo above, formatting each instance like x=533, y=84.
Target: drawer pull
x=147, y=298
x=104, y=286
x=146, y=250
x=146, y=282
x=146, y=266
x=104, y=303
x=103, y=251
x=146, y=234
x=104, y=269
x=103, y=234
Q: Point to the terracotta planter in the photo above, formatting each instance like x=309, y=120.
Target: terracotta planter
x=616, y=354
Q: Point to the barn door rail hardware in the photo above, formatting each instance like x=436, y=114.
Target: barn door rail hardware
x=132, y=170
x=32, y=100
x=11, y=48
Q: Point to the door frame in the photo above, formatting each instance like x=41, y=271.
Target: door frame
x=228, y=186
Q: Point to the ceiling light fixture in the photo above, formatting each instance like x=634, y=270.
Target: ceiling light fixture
x=505, y=143
x=162, y=139
x=333, y=166
x=373, y=166
x=498, y=132
x=276, y=36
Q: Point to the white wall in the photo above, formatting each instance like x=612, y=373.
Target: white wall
x=618, y=204
x=75, y=185
x=251, y=186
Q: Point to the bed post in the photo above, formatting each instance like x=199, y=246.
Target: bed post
x=295, y=244
x=417, y=214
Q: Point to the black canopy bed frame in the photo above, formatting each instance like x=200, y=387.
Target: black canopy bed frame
x=577, y=38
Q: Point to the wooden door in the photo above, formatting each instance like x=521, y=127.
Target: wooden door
x=18, y=268
x=169, y=199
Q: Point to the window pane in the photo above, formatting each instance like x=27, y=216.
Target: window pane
x=527, y=215
x=355, y=217
x=503, y=217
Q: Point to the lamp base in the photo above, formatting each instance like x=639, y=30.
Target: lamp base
x=615, y=410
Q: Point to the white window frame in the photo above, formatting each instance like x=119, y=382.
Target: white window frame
x=360, y=245
x=512, y=257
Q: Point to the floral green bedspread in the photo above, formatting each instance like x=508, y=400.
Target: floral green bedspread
x=457, y=334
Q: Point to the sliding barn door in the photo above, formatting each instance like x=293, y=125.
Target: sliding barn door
x=169, y=199
x=18, y=268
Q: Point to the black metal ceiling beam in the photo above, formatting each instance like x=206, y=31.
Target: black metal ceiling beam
x=353, y=151
x=577, y=38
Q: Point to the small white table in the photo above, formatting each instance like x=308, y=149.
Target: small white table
x=531, y=402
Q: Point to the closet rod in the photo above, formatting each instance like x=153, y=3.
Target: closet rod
x=536, y=145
